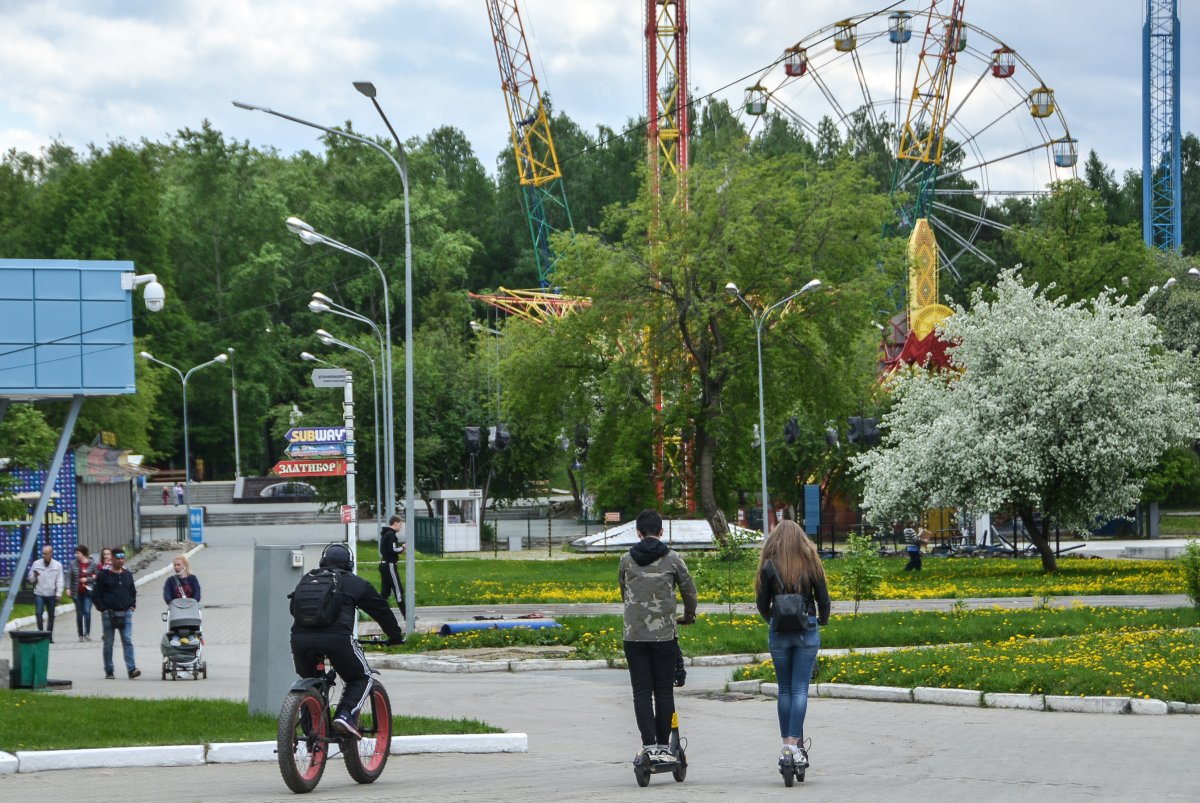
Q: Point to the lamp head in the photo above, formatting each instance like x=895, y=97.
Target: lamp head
x=1169, y=283
x=310, y=238
x=304, y=355
x=475, y=327
x=296, y=225
x=1194, y=273
x=319, y=296
x=813, y=285
x=317, y=306
x=325, y=338
x=229, y=351
x=365, y=87
x=732, y=289
x=221, y=358
x=248, y=107
x=145, y=355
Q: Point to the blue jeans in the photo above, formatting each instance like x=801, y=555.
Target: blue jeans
x=43, y=606
x=794, y=655
x=126, y=642
x=83, y=613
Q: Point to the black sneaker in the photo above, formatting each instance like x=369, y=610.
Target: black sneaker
x=345, y=726
x=109, y=676
x=135, y=674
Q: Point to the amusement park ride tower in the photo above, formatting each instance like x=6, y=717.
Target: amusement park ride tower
x=1162, y=218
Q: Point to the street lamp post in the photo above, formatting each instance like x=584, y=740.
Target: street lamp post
x=368, y=89
x=322, y=303
x=313, y=237
x=187, y=457
x=760, y=319
x=237, y=447
x=329, y=340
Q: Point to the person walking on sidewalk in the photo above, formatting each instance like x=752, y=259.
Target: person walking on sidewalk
x=47, y=578
x=182, y=584
x=391, y=548
x=648, y=575
x=81, y=581
x=790, y=565
x=116, y=599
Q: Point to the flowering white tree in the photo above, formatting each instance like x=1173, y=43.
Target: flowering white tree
x=1055, y=407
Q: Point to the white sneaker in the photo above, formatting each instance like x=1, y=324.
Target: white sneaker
x=661, y=754
x=800, y=756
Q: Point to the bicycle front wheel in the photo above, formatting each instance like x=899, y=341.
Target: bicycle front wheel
x=302, y=742
x=366, y=759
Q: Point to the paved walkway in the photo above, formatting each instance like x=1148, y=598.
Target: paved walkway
x=582, y=735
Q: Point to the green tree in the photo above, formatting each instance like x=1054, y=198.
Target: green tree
x=26, y=441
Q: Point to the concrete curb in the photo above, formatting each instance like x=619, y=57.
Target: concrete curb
x=241, y=752
x=971, y=698
x=26, y=621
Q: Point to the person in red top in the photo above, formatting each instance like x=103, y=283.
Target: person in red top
x=81, y=582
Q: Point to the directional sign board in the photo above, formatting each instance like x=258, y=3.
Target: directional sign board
x=310, y=468
x=315, y=451
x=329, y=377
x=316, y=435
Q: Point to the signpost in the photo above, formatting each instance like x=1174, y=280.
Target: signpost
x=196, y=524
x=330, y=377
x=316, y=435
x=310, y=468
x=315, y=451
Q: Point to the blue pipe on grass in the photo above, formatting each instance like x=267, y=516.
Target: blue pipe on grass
x=451, y=628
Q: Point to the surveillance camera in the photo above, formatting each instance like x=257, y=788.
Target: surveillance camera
x=154, y=296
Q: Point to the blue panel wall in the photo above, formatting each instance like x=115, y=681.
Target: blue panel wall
x=61, y=522
x=66, y=327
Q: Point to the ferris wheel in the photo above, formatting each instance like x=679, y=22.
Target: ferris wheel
x=1005, y=137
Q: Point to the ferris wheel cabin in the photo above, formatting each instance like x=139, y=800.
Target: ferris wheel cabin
x=756, y=100
x=899, y=27
x=1004, y=62
x=795, y=61
x=1041, y=102
x=845, y=38
x=1066, y=152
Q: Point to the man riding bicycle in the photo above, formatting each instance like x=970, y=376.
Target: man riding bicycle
x=335, y=640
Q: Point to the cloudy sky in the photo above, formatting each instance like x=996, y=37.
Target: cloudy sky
x=89, y=71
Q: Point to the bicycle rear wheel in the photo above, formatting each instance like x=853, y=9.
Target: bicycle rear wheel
x=366, y=759
x=302, y=741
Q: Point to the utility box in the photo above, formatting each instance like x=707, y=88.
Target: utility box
x=31, y=657
x=271, y=669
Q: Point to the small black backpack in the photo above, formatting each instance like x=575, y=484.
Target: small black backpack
x=317, y=600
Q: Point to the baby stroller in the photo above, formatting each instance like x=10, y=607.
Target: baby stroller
x=183, y=643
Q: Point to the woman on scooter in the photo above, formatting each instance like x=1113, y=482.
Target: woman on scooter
x=790, y=565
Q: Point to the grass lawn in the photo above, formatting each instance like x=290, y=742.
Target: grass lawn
x=479, y=581
x=600, y=636
x=1158, y=663
x=27, y=722
x=1179, y=526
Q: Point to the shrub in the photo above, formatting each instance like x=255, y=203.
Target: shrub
x=862, y=568
x=1190, y=560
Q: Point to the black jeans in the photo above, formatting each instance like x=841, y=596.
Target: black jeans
x=652, y=673
x=914, y=561
x=347, y=658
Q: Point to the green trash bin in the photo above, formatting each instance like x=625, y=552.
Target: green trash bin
x=31, y=656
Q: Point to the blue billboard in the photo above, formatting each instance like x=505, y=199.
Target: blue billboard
x=66, y=328
x=61, y=520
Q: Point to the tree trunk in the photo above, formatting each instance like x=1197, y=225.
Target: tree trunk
x=1038, y=536
x=706, y=449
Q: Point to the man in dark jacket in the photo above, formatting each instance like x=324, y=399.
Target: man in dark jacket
x=116, y=597
x=391, y=548
x=337, y=642
x=648, y=575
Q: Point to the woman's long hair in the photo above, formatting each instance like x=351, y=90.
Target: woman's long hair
x=794, y=556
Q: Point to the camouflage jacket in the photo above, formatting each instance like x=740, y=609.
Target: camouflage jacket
x=649, y=574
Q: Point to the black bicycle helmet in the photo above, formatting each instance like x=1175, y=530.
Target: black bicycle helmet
x=337, y=556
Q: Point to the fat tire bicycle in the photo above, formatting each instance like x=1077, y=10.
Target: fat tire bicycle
x=306, y=739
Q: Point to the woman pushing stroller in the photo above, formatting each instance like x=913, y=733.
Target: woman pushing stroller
x=182, y=584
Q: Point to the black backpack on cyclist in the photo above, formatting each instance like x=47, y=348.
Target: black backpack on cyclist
x=317, y=600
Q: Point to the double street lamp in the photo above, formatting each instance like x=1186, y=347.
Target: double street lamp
x=760, y=319
x=187, y=457
x=368, y=89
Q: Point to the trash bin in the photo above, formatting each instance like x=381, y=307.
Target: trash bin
x=31, y=656
x=515, y=544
